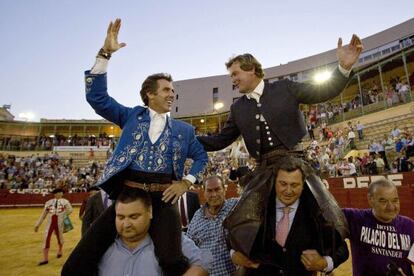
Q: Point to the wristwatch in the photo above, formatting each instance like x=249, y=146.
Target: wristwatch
x=103, y=54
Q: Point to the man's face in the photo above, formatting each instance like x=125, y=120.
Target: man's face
x=246, y=81
x=59, y=195
x=132, y=220
x=162, y=100
x=385, y=203
x=214, y=192
x=289, y=186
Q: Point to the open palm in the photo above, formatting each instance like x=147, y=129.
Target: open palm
x=348, y=55
x=111, y=41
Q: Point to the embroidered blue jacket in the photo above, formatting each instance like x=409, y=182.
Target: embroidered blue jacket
x=133, y=122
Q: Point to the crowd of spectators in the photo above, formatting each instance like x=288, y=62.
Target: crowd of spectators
x=47, y=143
x=391, y=153
x=46, y=172
x=325, y=156
x=395, y=92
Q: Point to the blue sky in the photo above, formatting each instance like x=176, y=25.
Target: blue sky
x=47, y=44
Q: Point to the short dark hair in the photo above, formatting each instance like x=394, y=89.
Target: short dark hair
x=382, y=182
x=247, y=62
x=214, y=177
x=57, y=190
x=150, y=85
x=129, y=195
x=291, y=164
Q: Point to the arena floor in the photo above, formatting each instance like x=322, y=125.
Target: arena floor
x=20, y=246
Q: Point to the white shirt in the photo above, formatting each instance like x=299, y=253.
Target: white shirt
x=157, y=124
x=257, y=92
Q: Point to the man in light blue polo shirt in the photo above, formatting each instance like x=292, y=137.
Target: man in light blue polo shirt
x=132, y=253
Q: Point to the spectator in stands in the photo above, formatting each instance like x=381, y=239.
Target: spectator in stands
x=343, y=167
x=351, y=139
x=206, y=228
x=352, y=167
x=404, y=92
x=388, y=142
x=389, y=93
x=360, y=130
x=372, y=166
x=379, y=162
x=364, y=163
x=399, y=145
x=402, y=163
x=395, y=132
x=310, y=127
x=380, y=236
x=409, y=146
x=55, y=210
x=381, y=151
x=372, y=147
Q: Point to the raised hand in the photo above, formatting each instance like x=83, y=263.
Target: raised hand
x=111, y=41
x=348, y=55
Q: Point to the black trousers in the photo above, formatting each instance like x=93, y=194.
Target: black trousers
x=165, y=231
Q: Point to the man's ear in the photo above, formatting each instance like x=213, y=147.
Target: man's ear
x=150, y=95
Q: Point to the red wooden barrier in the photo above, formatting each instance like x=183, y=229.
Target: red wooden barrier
x=348, y=191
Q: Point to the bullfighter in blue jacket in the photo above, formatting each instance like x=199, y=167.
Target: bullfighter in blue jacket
x=150, y=155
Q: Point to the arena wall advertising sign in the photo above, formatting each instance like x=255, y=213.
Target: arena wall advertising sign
x=37, y=197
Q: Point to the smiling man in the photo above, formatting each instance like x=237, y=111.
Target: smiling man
x=150, y=156
x=380, y=236
x=295, y=238
x=268, y=117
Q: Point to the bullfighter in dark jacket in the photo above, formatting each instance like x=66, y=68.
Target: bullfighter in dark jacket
x=268, y=118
